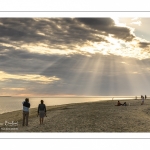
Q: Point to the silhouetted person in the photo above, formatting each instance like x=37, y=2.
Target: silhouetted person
x=42, y=111
x=142, y=100
x=26, y=106
x=145, y=96
x=124, y=104
x=118, y=104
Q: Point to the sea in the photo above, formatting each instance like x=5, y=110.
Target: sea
x=9, y=103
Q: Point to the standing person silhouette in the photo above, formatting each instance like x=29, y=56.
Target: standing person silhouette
x=26, y=106
x=145, y=96
x=42, y=111
x=142, y=100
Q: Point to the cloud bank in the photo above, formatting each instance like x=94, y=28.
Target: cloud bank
x=72, y=56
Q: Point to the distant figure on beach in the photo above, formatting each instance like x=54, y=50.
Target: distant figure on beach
x=145, y=96
x=124, y=104
x=26, y=106
x=136, y=97
x=118, y=104
x=142, y=100
x=42, y=111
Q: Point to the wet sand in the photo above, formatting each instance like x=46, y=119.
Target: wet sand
x=101, y=116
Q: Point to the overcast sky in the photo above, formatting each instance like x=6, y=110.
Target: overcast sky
x=74, y=56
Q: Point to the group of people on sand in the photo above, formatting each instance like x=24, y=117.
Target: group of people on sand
x=41, y=112
x=120, y=104
x=125, y=104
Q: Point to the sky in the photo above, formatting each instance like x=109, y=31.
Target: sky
x=74, y=56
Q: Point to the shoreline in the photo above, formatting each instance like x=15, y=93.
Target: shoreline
x=33, y=111
x=115, y=99
x=97, y=116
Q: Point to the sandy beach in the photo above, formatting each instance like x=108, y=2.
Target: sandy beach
x=101, y=116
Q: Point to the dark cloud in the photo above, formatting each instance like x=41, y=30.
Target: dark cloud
x=144, y=44
x=122, y=33
x=23, y=62
x=108, y=26
x=28, y=30
x=97, y=23
x=19, y=29
x=57, y=32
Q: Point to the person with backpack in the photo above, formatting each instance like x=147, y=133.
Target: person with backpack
x=42, y=111
x=26, y=106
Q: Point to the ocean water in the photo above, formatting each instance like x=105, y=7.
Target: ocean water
x=8, y=104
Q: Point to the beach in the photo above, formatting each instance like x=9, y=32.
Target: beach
x=101, y=116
